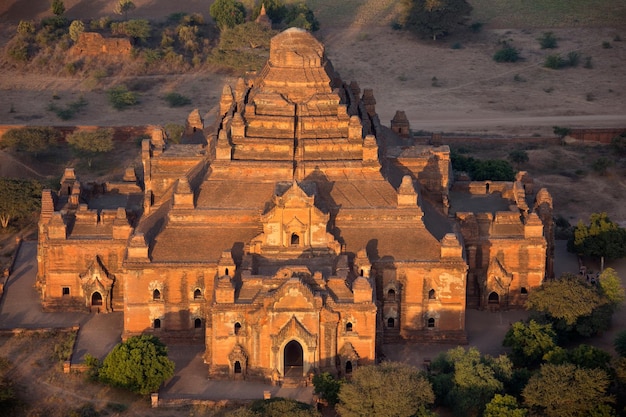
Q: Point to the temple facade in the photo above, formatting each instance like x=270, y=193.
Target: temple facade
x=287, y=236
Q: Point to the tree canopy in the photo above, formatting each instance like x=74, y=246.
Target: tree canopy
x=18, y=198
x=482, y=170
x=466, y=381
x=567, y=298
x=388, y=390
x=57, y=7
x=567, y=390
x=434, y=18
x=123, y=7
x=601, y=238
x=89, y=144
x=140, y=364
x=227, y=13
x=504, y=406
x=30, y=139
x=327, y=387
x=530, y=342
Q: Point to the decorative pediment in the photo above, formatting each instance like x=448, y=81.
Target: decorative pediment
x=294, y=330
x=498, y=278
x=238, y=354
x=294, y=197
x=347, y=352
x=96, y=278
x=294, y=295
x=295, y=225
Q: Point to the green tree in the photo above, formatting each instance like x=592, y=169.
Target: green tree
x=561, y=132
x=466, y=380
x=567, y=390
x=618, y=143
x=390, y=389
x=76, y=28
x=504, y=406
x=18, y=198
x=518, y=157
x=327, y=387
x=567, y=298
x=227, y=13
x=25, y=28
x=530, y=342
x=602, y=165
x=139, y=30
x=299, y=15
x=89, y=144
x=600, y=238
x=140, y=364
x=275, y=9
x=57, y=7
x=620, y=344
x=174, y=132
x=123, y=7
x=30, y=139
x=121, y=98
x=249, y=35
x=434, y=18
x=611, y=286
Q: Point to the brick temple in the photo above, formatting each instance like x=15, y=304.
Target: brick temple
x=294, y=234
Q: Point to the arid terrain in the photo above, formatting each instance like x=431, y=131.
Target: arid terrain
x=451, y=86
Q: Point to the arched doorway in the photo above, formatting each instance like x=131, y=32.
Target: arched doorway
x=494, y=298
x=96, y=299
x=293, y=359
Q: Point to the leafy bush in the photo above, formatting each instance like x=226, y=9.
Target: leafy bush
x=68, y=112
x=506, y=54
x=606, y=45
x=19, y=199
x=174, y=132
x=176, y=100
x=18, y=50
x=601, y=165
x=548, y=41
x=554, y=61
x=121, y=98
x=618, y=143
x=76, y=28
x=573, y=58
x=138, y=30
x=25, y=28
x=476, y=27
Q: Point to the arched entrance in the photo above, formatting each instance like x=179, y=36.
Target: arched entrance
x=494, y=298
x=96, y=299
x=293, y=359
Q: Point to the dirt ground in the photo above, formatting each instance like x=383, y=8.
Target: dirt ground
x=440, y=87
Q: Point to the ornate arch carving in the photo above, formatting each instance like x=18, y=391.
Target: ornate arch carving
x=97, y=279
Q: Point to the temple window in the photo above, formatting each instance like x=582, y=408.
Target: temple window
x=524, y=291
x=65, y=291
x=348, y=327
x=157, y=323
x=391, y=322
x=431, y=322
x=391, y=295
x=237, y=328
x=348, y=367
x=361, y=273
x=226, y=272
x=197, y=294
x=431, y=294
x=197, y=324
x=237, y=367
x=156, y=295
x=295, y=239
